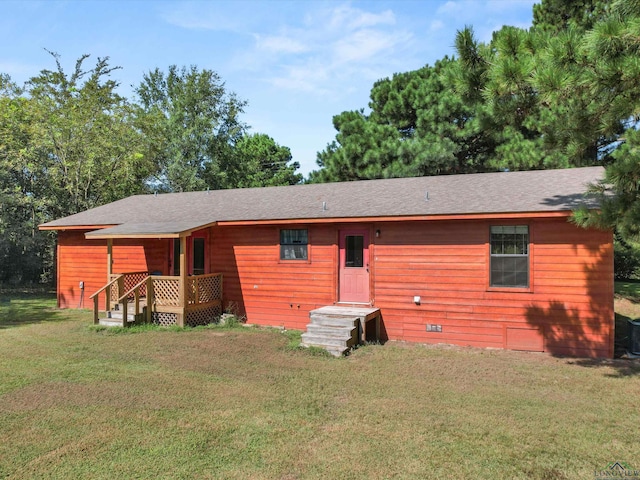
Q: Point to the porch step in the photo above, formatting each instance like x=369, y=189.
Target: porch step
x=109, y=322
x=329, y=331
x=117, y=314
x=113, y=318
x=331, y=320
x=336, y=329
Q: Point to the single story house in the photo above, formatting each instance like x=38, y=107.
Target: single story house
x=488, y=260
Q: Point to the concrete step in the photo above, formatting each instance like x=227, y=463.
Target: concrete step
x=335, y=351
x=332, y=320
x=113, y=318
x=309, y=339
x=117, y=315
x=111, y=322
x=336, y=329
x=330, y=331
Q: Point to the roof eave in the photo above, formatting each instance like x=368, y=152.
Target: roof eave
x=102, y=234
x=106, y=236
x=403, y=218
x=46, y=227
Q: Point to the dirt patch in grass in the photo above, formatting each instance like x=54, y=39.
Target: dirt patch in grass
x=627, y=308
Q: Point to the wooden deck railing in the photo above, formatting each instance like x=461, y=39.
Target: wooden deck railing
x=108, y=289
x=144, y=286
x=204, y=288
x=126, y=283
x=166, y=291
x=161, y=293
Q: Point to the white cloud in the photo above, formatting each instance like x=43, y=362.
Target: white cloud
x=339, y=43
x=436, y=25
x=218, y=16
x=279, y=44
x=309, y=77
x=187, y=18
x=449, y=8
x=364, y=45
x=346, y=17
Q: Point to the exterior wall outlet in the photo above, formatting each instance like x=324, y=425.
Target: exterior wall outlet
x=417, y=299
x=434, y=328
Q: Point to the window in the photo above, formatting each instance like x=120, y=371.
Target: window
x=354, y=251
x=293, y=244
x=510, y=256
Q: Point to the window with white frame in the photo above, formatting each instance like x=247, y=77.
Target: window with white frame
x=294, y=244
x=510, y=256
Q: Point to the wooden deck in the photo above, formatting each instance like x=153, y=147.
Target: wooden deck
x=166, y=300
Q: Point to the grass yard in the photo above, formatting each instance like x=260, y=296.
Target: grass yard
x=76, y=402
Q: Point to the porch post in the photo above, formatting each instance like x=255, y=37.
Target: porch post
x=183, y=282
x=109, y=272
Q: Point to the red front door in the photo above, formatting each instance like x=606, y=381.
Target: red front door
x=354, y=266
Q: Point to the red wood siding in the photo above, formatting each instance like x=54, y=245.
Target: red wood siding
x=79, y=260
x=82, y=260
x=264, y=288
x=568, y=308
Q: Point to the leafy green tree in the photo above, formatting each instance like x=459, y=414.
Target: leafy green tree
x=21, y=245
x=264, y=163
x=84, y=144
x=67, y=143
x=194, y=123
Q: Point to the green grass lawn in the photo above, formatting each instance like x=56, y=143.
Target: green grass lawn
x=76, y=402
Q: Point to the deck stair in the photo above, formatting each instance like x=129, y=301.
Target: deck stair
x=337, y=329
x=113, y=318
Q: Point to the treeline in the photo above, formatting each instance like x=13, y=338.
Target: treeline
x=69, y=142
x=564, y=93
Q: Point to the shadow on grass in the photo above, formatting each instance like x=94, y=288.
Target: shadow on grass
x=26, y=309
x=623, y=365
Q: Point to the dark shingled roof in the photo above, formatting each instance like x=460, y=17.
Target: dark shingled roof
x=483, y=193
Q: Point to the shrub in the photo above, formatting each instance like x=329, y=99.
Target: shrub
x=626, y=259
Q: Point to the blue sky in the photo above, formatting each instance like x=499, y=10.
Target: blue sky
x=297, y=63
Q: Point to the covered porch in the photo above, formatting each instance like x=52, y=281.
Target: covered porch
x=159, y=299
x=189, y=297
